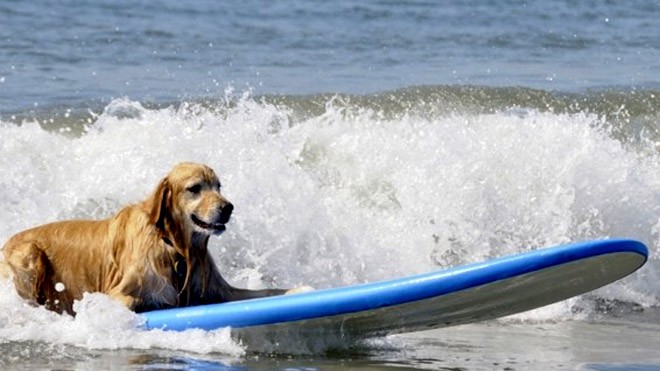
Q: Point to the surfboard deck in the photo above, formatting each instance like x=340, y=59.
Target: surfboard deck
x=459, y=295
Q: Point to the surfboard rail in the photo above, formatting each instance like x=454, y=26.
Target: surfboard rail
x=428, y=300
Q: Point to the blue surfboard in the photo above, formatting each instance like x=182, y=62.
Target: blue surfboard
x=460, y=295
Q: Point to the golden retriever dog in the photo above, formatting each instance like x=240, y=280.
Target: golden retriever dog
x=149, y=255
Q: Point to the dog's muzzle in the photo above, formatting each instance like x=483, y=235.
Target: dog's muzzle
x=218, y=225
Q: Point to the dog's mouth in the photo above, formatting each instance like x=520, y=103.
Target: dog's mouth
x=213, y=227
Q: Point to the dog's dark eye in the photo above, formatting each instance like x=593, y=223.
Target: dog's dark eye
x=195, y=189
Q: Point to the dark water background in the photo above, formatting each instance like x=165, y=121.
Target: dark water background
x=72, y=52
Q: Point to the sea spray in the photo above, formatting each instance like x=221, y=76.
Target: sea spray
x=345, y=196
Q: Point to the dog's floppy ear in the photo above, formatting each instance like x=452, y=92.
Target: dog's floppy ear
x=160, y=203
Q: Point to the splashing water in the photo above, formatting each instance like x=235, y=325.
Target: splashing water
x=345, y=196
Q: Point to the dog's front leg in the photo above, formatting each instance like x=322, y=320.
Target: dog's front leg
x=118, y=294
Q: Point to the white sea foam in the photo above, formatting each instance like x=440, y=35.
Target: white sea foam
x=102, y=323
x=340, y=198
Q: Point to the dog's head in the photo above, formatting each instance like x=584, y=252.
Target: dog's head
x=190, y=197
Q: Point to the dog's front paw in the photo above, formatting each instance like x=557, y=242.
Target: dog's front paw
x=299, y=290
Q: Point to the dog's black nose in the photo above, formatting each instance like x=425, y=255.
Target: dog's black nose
x=225, y=213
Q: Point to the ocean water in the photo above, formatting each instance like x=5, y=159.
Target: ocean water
x=359, y=141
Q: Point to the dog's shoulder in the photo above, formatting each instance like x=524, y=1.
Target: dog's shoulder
x=147, y=263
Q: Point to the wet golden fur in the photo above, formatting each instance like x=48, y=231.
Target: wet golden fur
x=149, y=255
